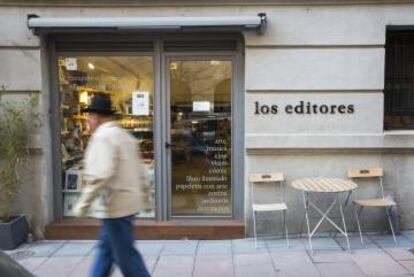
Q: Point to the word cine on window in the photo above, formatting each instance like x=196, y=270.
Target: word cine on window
x=304, y=108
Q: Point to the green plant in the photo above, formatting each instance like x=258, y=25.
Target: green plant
x=16, y=121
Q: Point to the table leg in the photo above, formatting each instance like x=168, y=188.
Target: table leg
x=343, y=221
x=345, y=204
x=305, y=202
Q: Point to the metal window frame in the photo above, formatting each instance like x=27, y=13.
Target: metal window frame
x=160, y=128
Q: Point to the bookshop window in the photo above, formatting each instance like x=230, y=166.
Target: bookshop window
x=399, y=81
x=129, y=81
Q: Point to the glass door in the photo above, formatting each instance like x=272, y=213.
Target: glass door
x=199, y=136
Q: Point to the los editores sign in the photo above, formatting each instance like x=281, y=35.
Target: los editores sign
x=303, y=107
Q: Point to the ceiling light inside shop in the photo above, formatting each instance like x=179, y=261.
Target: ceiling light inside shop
x=91, y=66
x=214, y=62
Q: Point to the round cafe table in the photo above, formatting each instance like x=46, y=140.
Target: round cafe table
x=324, y=185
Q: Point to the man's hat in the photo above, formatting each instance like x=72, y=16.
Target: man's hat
x=101, y=105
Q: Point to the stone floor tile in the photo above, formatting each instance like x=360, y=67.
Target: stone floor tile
x=83, y=268
x=175, y=262
x=399, y=253
x=340, y=270
x=171, y=272
x=294, y=264
x=45, y=248
x=409, y=265
x=149, y=249
x=218, y=265
x=388, y=241
x=214, y=248
x=32, y=263
x=75, y=249
x=59, y=266
x=322, y=244
x=180, y=248
x=248, y=247
x=255, y=270
x=376, y=262
x=281, y=245
x=355, y=243
x=330, y=256
x=252, y=259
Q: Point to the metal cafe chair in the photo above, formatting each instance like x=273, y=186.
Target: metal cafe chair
x=268, y=179
x=380, y=202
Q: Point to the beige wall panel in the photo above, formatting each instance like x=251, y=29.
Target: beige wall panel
x=20, y=69
x=294, y=117
x=315, y=69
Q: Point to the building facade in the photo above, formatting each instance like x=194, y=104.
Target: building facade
x=306, y=88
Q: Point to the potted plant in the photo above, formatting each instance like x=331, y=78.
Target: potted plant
x=14, y=138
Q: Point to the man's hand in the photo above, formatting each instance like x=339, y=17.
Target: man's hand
x=80, y=210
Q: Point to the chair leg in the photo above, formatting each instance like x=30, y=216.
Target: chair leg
x=285, y=227
x=388, y=212
x=357, y=214
x=254, y=229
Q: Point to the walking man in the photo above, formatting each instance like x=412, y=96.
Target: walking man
x=114, y=190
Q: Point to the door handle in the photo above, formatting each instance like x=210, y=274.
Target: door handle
x=169, y=145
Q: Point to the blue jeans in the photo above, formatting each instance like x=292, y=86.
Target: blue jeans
x=116, y=245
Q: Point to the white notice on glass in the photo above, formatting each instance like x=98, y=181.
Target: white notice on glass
x=201, y=106
x=140, y=103
x=71, y=64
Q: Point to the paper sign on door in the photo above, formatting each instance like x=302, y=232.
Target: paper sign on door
x=140, y=103
x=201, y=106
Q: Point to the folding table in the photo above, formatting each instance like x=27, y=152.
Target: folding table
x=325, y=185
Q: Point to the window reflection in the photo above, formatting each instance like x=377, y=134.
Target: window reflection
x=129, y=81
x=201, y=138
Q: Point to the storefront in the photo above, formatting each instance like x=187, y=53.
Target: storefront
x=213, y=94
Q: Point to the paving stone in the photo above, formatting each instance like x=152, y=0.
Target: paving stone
x=255, y=270
x=74, y=249
x=376, y=262
x=294, y=264
x=83, y=268
x=149, y=249
x=388, y=241
x=32, y=263
x=59, y=266
x=170, y=273
x=355, y=243
x=45, y=248
x=248, y=247
x=281, y=245
x=322, y=244
x=340, y=270
x=399, y=253
x=180, y=248
x=340, y=256
x=219, y=265
x=252, y=259
x=409, y=265
x=184, y=262
x=214, y=248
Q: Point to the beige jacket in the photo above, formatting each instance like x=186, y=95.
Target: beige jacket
x=114, y=174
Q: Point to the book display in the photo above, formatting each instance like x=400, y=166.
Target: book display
x=129, y=83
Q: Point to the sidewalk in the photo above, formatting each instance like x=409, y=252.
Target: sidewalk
x=237, y=258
